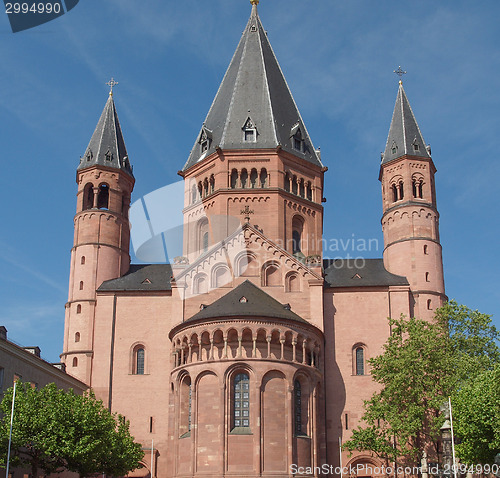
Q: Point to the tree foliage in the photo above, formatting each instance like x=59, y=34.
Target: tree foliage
x=422, y=364
x=476, y=418
x=56, y=430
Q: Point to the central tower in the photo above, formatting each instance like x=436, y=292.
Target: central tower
x=254, y=150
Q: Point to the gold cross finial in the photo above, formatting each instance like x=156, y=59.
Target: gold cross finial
x=111, y=83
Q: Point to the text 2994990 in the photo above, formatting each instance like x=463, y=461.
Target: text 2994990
x=38, y=8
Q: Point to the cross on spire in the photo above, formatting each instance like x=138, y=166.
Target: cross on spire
x=111, y=83
x=400, y=72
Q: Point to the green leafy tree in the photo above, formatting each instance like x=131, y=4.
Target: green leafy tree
x=55, y=430
x=416, y=377
x=34, y=445
x=476, y=418
x=421, y=366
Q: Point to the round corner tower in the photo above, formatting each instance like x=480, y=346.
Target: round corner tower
x=410, y=220
x=100, y=249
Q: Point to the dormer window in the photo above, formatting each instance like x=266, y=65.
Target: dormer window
x=416, y=146
x=109, y=155
x=89, y=155
x=205, y=140
x=394, y=148
x=249, y=131
x=297, y=138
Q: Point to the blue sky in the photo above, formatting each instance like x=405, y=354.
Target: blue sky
x=169, y=58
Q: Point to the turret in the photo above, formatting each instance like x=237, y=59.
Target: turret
x=102, y=235
x=410, y=218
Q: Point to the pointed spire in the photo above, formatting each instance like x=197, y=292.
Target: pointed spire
x=107, y=147
x=254, y=89
x=404, y=137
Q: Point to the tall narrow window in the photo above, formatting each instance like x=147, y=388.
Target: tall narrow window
x=103, y=197
x=287, y=182
x=1, y=379
x=244, y=178
x=241, y=401
x=253, y=179
x=360, y=361
x=205, y=242
x=77, y=337
x=263, y=178
x=234, y=179
x=88, y=196
x=75, y=362
x=139, y=361
x=297, y=406
x=394, y=193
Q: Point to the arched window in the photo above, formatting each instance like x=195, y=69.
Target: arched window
x=263, y=178
x=241, y=401
x=253, y=179
x=82, y=260
x=75, y=362
x=394, y=193
x=103, y=197
x=426, y=250
x=302, y=191
x=79, y=309
x=294, y=185
x=244, y=178
x=185, y=407
x=194, y=194
x=205, y=241
x=309, y=191
x=139, y=358
x=200, y=284
x=272, y=275
x=297, y=407
x=205, y=187
x=401, y=190
x=297, y=234
x=77, y=337
x=287, y=182
x=234, y=179
x=360, y=361
x=88, y=196
x=202, y=234
x=81, y=285
x=200, y=190
x=427, y=277
x=292, y=283
x=212, y=184
x=429, y=304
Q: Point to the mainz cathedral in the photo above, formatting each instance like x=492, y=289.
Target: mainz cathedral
x=248, y=354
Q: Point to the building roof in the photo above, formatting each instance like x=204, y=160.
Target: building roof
x=359, y=273
x=253, y=95
x=107, y=147
x=404, y=134
x=247, y=300
x=141, y=277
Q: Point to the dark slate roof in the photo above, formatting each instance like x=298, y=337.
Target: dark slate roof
x=107, y=147
x=404, y=131
x=359, y=273
x=255, y=303
x=253, y=89
x=142, y=277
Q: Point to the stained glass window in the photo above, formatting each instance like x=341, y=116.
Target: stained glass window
x=241, y=401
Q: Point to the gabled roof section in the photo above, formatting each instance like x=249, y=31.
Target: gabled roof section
x=359, y=273
x=254, y=86
x=244, y=301
x=107, y=147
x=141, y=277
x=404, y=134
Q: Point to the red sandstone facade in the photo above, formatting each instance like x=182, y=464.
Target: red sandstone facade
x=249, y=354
